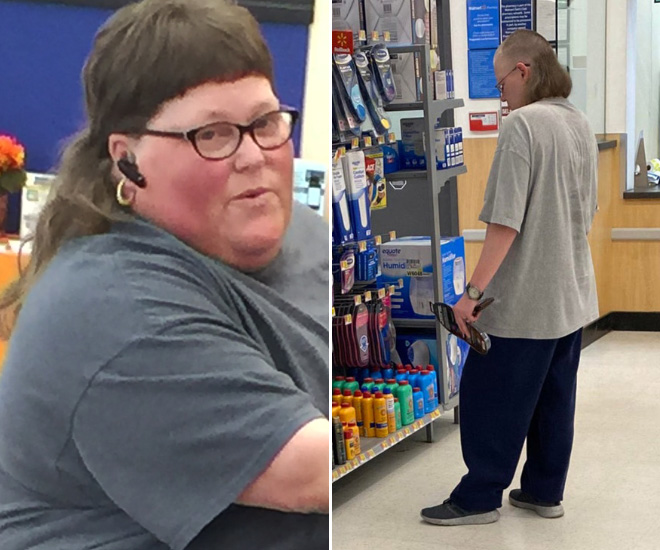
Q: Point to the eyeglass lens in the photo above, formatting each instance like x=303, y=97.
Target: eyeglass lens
x=221, y=139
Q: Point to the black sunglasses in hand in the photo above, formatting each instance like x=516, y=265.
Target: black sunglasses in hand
x=477, y=340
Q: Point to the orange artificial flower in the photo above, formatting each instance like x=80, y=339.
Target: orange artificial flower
x=12, y=154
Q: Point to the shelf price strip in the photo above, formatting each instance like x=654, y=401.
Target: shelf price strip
x=401, y=434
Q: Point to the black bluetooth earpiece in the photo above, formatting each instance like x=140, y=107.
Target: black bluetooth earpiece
x=129, y=168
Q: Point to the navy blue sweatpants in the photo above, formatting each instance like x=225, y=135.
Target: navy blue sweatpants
x=521, y=389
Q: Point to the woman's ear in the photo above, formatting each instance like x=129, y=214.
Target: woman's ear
x=119, y=145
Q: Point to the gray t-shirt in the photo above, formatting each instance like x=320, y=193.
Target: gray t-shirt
x=543, y=183
x=146, y=386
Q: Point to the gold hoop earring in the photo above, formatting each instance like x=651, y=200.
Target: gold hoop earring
x=123, y=201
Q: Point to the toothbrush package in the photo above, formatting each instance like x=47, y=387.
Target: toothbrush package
x=346, y=122
x=342, y=229
x=357, y=190
x=383, y=74
x=346, y=77
x=372, y=99
x=410, y=259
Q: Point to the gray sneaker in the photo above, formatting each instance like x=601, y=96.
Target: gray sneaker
x=544, y=509
x=449, y=513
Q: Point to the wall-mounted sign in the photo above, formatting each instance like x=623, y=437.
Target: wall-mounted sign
x=483, y=24
x=481, y=74
x=515, y=14
x=484, y=122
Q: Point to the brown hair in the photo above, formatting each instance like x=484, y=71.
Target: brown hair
x=146, y=54
x=547, y=77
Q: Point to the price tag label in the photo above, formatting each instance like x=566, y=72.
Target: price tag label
x=340, y=152
x=384, y=445
x=407, y=431
x=379, y=240
x=399, y=436
x=357, y=299
x=362, y=458
x=367, y=141
x=391, y=137
x=392, y=236
x=381, y=140
x=343, y=469
x=355, y=143
x=333, y=311
x=362, y=35
x=348, y=319
x=386, y=36
x=344, y=265
x=367, y=296
x=381, y=293
x=392, y=440
x=371, y=453
x=435, y=414
x=335, y=475
x=374, y=36
x=362, y=246
x=392, y=289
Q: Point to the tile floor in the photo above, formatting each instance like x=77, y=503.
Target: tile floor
x=612, y=497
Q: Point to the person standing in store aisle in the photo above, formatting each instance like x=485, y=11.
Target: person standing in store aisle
x=166, y=383
x=539, y=205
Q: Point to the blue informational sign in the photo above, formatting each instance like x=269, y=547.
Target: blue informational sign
x=483, y=24
x=515, y=14
x=481, y=74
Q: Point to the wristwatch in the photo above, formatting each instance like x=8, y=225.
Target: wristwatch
x=473, y=292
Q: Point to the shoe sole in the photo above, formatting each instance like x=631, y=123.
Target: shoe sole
x=474, y=519
x=549, y=512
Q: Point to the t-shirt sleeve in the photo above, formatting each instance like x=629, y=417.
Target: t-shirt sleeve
x=509, y=181
x=185, y=417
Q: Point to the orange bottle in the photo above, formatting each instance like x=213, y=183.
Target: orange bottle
x=380, y=415
x=336, y=396
x=389, y=407
x=357, y=405
x=350, y=444
x=347, y=414
x=368, y=415
x=356, y=436
x=347, y=397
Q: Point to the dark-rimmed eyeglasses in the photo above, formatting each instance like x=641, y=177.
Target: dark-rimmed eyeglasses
x=220, y=140
x=500, y=84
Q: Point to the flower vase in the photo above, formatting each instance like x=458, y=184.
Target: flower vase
x=4, y=202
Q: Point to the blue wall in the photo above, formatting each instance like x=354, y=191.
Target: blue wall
x=44, y=47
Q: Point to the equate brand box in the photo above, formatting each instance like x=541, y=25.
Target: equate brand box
x=409, y=259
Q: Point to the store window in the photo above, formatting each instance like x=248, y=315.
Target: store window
x=647, y=94
x=581, y=48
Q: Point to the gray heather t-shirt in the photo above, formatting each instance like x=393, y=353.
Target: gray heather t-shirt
x=146, y=386
x=543, y=184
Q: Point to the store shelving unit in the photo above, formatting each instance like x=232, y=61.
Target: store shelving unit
x=423, y=187
x=417, y=209
x=370, y=447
